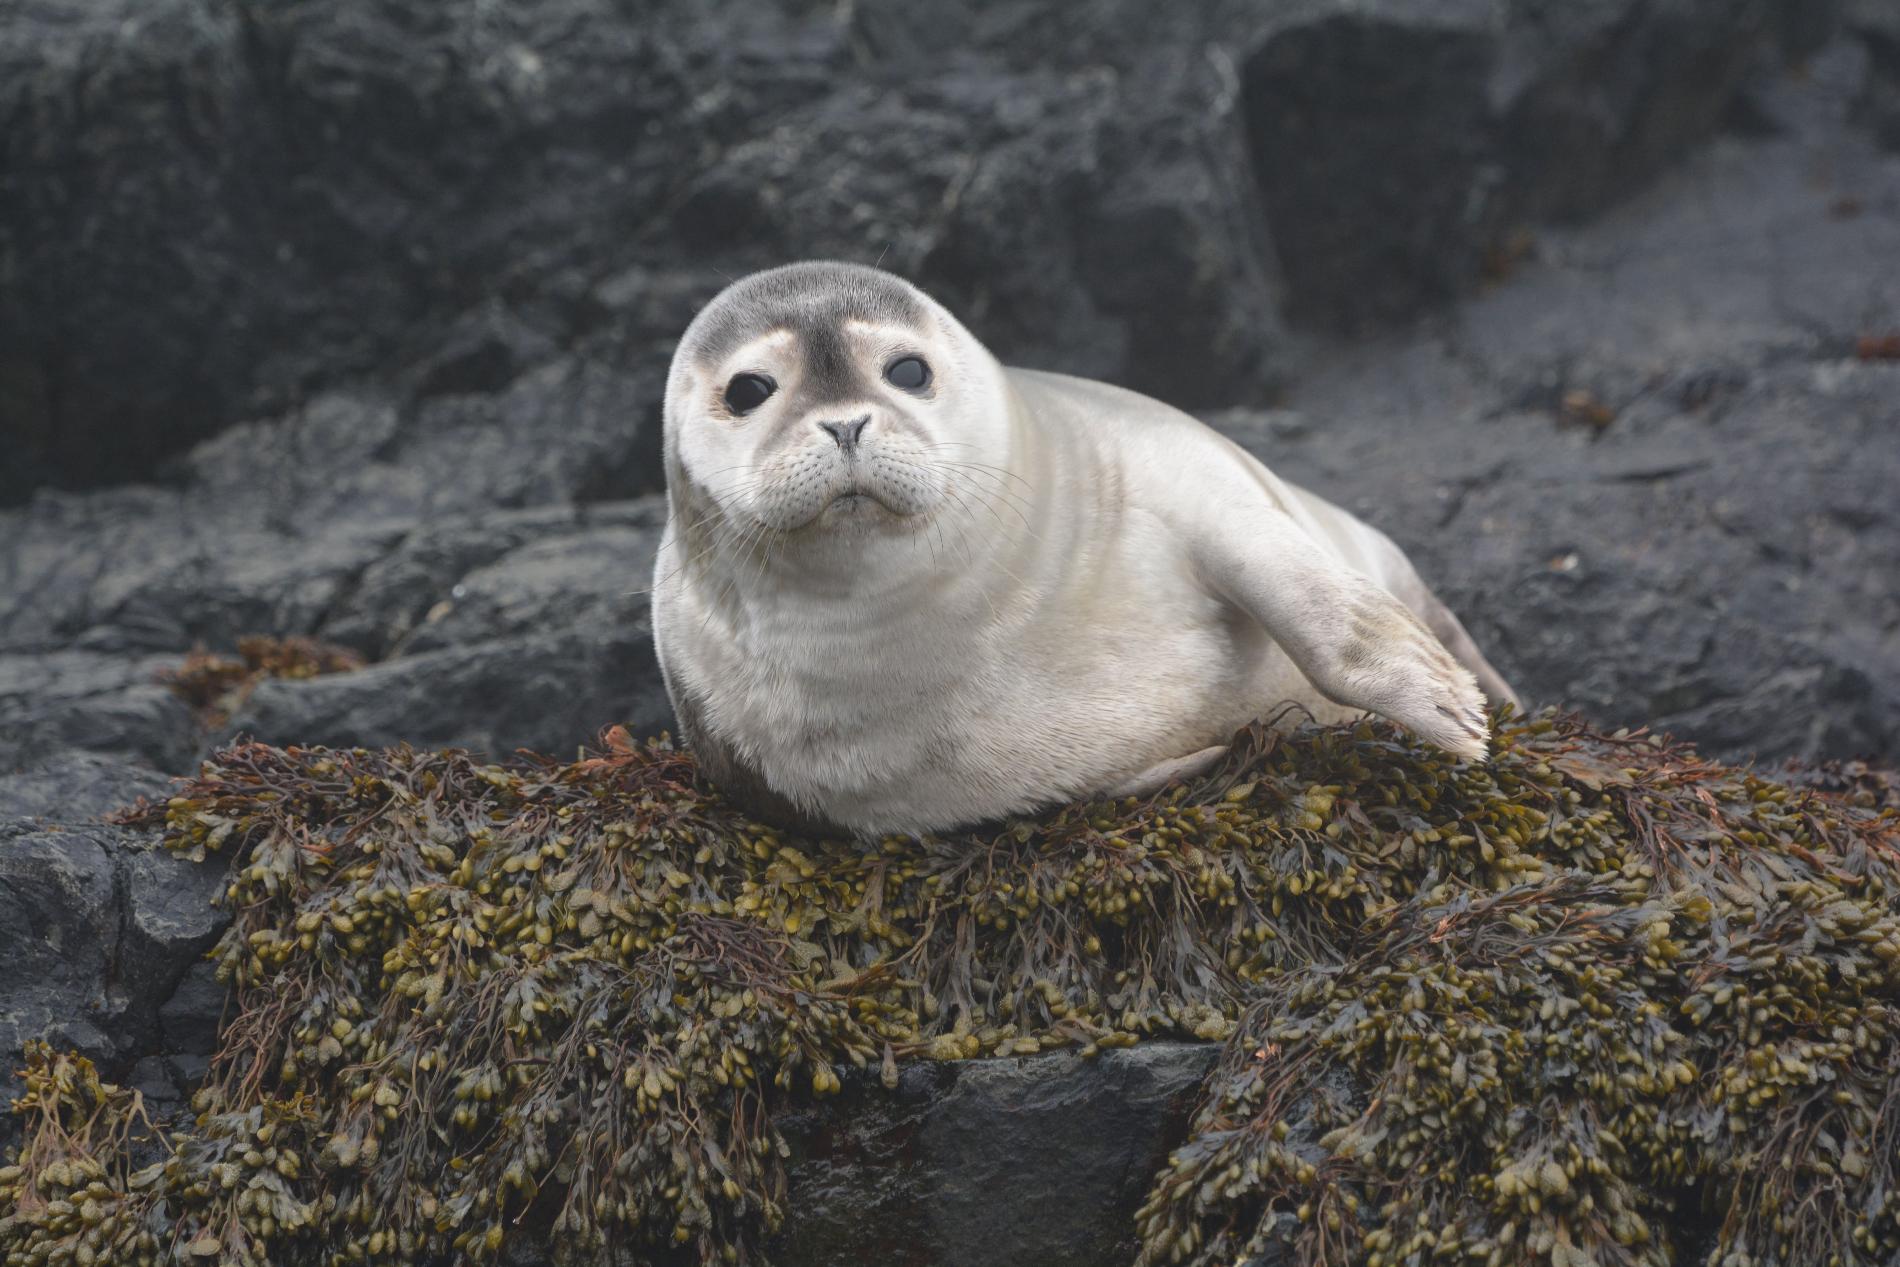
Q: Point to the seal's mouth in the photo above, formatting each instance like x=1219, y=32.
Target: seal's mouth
x=855, y=500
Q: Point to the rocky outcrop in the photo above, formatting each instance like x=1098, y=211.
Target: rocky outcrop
x=100, y=928
x=1619, y=463
x=1878, y=26
x=1397, y=146
x=523, y=630
x=1037, y=1159
x=222, y=210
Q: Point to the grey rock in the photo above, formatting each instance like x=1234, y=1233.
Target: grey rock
x=188, y=1021
x=97, y=928
x=74, y=787
x=1397, y=145
x=549, y=692
x=170, y=921
x=1811, y=96
x=398, y=591
x=232, y=549
x=1877, y=24
x=135, y=362
x=1716, y=559
x=1804, y=27
x=94, y=702
x=152, y=1080
x=522, y=630
x=59, y=939
x=1042, y=1159
x=597, y=575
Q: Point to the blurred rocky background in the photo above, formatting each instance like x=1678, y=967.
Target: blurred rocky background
x=347, y=320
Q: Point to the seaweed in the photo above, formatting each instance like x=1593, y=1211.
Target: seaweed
x=1583, y=1003
x=216, y=686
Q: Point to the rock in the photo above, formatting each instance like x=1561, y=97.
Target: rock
x=558, y=581
x=549, y=692
x=1397, y=146
x=169, y=924
x=97, y=927
x=123, y=240
x=71, y=786
x=59, y=939
x=1877, y=24
x=1648, y=471
x=528, y=630
x=188, y=1020
x=102, y=704
x=280, y=201
x=1040, y=1159
x=1803, y=27
x=248, y=236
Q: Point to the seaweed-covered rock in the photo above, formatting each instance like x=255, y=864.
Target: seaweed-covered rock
x=1593, y=996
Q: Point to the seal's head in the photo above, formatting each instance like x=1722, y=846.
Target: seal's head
x=827, y=403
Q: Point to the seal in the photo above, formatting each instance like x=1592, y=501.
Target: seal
x=904, y=588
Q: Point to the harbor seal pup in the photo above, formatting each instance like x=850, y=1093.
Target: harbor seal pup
x=903, y=588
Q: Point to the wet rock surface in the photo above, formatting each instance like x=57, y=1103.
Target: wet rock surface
x=1463, y=121
x=1877, y=25
x=1023, y=1159
x=220, y=210
x=397, y=386
x=98, y=926
x=1039, y=1159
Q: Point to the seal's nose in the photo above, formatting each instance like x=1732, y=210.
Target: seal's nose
x=847, y=433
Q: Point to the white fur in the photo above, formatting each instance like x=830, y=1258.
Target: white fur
x=1103, y=585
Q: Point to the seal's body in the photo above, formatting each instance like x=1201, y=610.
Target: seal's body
x=904, y=588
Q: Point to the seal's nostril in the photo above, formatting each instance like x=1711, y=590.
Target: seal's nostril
x=847, y=433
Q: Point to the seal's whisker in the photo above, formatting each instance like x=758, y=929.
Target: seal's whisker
x=743, y=547
x=950, y=489
x=988, y=472
x=990, y=495
x=723, y=533
x=945, y=444
x=989, y=600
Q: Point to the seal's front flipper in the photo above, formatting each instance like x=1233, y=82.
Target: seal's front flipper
x=1356, y=643
x=1158, y=776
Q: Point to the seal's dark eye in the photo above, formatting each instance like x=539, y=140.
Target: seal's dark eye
x=747, y=392
x=909, y=373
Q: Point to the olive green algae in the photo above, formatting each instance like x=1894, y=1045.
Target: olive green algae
x=1595, y=1001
